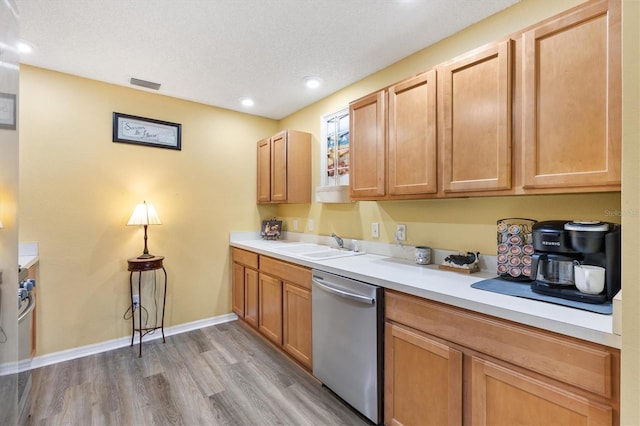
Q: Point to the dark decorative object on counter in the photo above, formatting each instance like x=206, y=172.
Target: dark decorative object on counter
x=271, y=229
x=467, y=263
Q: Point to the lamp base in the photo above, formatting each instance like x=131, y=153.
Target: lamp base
x=145, y=256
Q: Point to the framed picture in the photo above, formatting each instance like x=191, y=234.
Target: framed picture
x=271, y=229
x=7, y=111
x=146, y=131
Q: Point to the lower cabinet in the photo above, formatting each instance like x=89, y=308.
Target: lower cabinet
x=275, y=299
x=502, y=396
x=423, y=380
x=270, y=308
x=244, y=289
x=297, y=322
x=445, y=365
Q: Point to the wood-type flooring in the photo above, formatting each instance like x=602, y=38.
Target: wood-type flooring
x=218, y=375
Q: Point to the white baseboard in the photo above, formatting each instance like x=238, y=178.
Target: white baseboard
x=54, y=358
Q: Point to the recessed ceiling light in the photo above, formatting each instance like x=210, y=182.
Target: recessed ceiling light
x=312, y=82
x=248, y=102
x=24, y=47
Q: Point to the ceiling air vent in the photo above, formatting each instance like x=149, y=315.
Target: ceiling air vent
x=144, y=83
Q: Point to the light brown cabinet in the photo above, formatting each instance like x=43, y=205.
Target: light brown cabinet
x=412, y=144
x=503, y=396
x=297, y=322
x=393, y=141
x=244, y=290
x=423, y=380
x=270, y=308
x=284, y=168
x=484, y=370
x=476, y=112
x=572, y=100
x=536, y=112
x=275, y=299
x=367, y=144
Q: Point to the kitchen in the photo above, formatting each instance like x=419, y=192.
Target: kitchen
x=80, y=222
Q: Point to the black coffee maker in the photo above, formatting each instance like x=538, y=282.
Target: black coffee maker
x=559, y=245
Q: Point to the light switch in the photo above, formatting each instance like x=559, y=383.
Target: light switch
x=310, y=224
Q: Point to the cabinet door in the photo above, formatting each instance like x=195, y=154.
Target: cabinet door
x=264, y=171
x=251, y=296
x=297, y=323
x=279, y=167
x=412, y=136
x=501, y=396
x=476, y=108
x=237, y=290
x=423, y=380
x=367, y=144
x=572, y=100
x=270, y=308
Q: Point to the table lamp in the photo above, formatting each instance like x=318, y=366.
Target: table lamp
x=144, y=214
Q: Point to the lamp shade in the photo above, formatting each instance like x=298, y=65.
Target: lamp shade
x=144, y=214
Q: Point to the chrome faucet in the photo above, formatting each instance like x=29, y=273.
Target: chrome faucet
x=338, y=240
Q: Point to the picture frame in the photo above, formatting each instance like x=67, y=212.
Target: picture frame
x=7, y=111
x=271, y=229
x=146, y=131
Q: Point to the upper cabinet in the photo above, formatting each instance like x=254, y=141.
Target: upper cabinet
x=538, y=111
x=394, y=141
x=572, y=99
x=367, y=128
x=284, y=168
x=412, y=144
x=476, y=112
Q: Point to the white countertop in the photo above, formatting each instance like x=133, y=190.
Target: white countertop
x=451, y=288
x=27, y=255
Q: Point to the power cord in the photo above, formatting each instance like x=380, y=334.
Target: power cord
x=129, y=313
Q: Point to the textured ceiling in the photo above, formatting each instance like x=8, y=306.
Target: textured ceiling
x=217, y=51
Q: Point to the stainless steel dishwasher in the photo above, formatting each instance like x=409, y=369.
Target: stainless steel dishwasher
x=348, y=327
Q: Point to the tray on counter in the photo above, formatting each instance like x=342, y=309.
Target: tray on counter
x=522, y=289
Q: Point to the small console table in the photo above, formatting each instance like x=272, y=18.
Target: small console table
x=152, y=264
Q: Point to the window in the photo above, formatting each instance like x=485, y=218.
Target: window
x=335, y=148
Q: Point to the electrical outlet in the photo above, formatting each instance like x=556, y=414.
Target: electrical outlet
x=295, y=224
x=401, y=232
x=310, y=224
x=375, y=230
x=136, y=301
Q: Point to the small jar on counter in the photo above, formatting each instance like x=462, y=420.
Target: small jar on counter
x=423, y=255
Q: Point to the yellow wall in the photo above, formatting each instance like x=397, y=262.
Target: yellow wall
x=78, y=189
x=630, y=376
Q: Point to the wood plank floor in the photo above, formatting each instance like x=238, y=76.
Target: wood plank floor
x=219, y=375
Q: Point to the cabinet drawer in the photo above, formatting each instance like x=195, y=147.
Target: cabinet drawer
x=582, y=364
x=245, y=258
x=287, y=271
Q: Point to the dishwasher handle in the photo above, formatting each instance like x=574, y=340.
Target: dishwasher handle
x=347, y=295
